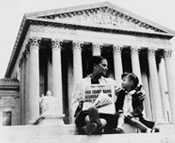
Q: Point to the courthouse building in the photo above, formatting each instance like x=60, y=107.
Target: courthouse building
x=52, y=49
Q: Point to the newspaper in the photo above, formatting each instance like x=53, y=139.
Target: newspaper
x=100, y=96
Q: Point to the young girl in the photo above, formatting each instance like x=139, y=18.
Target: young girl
x=129, y=105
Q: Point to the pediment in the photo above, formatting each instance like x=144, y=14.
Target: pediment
x=104, y=15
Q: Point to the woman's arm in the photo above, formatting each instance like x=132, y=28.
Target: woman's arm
x=77, y=97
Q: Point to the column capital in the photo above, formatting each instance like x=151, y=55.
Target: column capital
x=135, y=50
x=77, y=45
x=117, y=49
x=96, y=47
x=34, y=42
x=56, y=44
x=168, y=53
x=151, y=52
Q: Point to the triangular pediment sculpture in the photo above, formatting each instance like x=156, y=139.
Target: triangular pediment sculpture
x=103, y=15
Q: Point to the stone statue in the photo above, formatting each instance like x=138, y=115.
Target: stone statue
x=50, y=114
x=49, y=104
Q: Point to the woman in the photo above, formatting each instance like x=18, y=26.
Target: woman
x=94, y=99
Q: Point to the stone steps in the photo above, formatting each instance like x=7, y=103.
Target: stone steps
x=67, y=134
x=114, y=138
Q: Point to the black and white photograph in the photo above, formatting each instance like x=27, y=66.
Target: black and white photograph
x=93, y=71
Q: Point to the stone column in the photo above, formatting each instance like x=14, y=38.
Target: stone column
x=155, y=89
x=77, y=62
x=96, y=50
x=163, y=87
x=135, y=62
x=170, y=81
x=33, y=97
x=57, y=74
x=118, y=70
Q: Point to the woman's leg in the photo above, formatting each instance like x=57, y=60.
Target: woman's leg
x=92, y=123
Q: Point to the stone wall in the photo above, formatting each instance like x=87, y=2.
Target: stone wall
x=9, y=102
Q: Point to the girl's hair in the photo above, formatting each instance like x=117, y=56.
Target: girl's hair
x=94, y=60
x=132, y=77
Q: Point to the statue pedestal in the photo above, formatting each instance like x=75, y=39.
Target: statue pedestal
x=51, y=122
x=49, y=119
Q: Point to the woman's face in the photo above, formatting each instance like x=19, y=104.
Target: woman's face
x=101, y=68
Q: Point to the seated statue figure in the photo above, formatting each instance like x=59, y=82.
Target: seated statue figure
x=50, y=111
x=49, y=105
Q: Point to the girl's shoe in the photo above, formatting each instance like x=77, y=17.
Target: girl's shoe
x=155, y=130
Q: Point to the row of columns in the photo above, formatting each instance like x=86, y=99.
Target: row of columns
x=32, y=78
x=29, y=64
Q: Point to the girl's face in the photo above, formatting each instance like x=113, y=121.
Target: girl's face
x=101, y=68
x=127, y=83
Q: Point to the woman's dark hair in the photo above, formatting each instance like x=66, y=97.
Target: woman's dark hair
x=94, y=60
x=132, y=77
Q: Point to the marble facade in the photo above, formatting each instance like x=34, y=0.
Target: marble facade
x=53, y=47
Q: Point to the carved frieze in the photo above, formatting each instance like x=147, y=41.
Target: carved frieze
x=103, y=16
